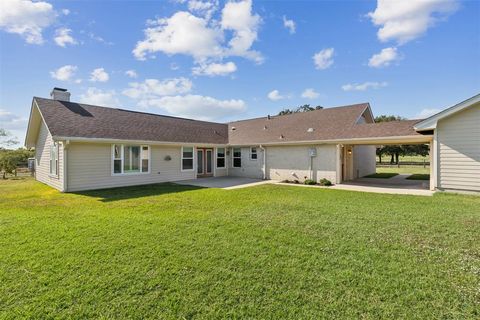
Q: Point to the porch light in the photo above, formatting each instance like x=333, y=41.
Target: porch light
x=349, y=151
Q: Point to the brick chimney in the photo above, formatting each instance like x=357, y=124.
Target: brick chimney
x=60, y=94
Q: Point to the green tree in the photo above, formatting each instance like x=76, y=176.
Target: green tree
x=395, y=151
x=11, y=159
x=304, y=108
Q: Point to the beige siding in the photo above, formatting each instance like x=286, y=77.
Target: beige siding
x=294, y=163
x=459, y=150
x=364, y=161
x=42, y=156
x=90, y=167
x=250, y=168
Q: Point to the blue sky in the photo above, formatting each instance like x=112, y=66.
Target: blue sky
x=223, y=61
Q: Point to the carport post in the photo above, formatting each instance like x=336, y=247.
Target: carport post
x=432, y=165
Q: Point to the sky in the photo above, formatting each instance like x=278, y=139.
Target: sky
x=230, y=60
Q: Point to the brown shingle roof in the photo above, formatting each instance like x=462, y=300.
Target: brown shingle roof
x=69, y=119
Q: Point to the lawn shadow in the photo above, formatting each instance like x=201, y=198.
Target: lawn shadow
x=134, y=192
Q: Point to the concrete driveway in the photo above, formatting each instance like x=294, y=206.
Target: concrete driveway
x=398, y=182
x=224, y=182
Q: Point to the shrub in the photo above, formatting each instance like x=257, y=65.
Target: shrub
x=325, y=182
x=310, y=182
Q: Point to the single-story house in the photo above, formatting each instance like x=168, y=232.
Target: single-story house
x=82, y=147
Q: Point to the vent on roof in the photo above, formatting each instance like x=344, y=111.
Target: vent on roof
x=233, y=128
x=281, y=137
x=264, y=127
x=268, y=117
x=60, y=94
x=310, y=130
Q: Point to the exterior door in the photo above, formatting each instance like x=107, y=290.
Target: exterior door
x=204, y=162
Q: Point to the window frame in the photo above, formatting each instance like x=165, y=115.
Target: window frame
x=224, y=158
x=233, y=157
x=251, y=153
x=55, y=148
x=193, y=159
x=122, y=159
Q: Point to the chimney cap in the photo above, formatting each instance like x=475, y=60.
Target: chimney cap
x=60, y=89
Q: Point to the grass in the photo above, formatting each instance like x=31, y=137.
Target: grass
x=419, y=177
x=170, y=252
x=411, y=170
x=382, y=175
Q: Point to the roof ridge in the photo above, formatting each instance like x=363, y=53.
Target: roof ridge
x=134, y=111
x=363, y=104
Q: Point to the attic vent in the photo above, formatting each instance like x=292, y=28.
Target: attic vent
x=310, y=130
x=233, y=128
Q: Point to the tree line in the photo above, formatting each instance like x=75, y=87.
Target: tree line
x=10, y=159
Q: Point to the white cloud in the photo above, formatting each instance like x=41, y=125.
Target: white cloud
x=26, y=18
x=289, y=24
x=182, y=33
x=384, y=58
x=174, y=66
x=363, y=86
x=65, y=12
x=11, y=121
x=204, y=8
x=197, y=106
x=99, y=97
x=63, y=37
x=275, y=95
x=404, y=21
x=215, y=69
x=427, y=112
x=310, y=93
x=185, y=33
x=238, y=17
x=99, y=75
x=131, y=73
x=324, y=58
x=64, y=73
x=153, y=88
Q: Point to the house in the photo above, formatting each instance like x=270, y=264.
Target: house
x=81, y=147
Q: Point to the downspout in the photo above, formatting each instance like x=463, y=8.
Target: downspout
x=65, y=161
x=264, y=166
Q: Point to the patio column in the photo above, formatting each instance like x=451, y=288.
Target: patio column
x=432, y=166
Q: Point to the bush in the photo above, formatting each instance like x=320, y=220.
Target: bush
x=325, y=182
x=310, y=182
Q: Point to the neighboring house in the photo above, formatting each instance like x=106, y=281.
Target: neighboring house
x=81, y=147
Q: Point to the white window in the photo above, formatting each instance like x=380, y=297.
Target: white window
x=253, y=153
x=187, y=158
x=237, y=157
x=130, y=159
x=220, y=157
x=54, y=159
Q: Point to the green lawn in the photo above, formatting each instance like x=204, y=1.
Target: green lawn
x=382, y=175
x=276, y=252
x=402, y=169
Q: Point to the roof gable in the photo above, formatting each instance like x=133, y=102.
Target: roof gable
x=431, y=122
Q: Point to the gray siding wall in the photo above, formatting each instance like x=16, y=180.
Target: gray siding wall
x=458, y=140
x=42, y=159
x=250, y=168
x=90, y=167
x=364, y=161
x=294, y=163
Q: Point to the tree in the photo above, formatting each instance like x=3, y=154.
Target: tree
x=11, y=159
x=395, y=151
x=7, y=139
x=304, y=108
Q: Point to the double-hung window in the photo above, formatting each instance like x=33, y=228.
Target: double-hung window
x=130, y=159
x=237, y=157
x=54, y=159
x=220, y=157
x=187, y=158
x=253, y=153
